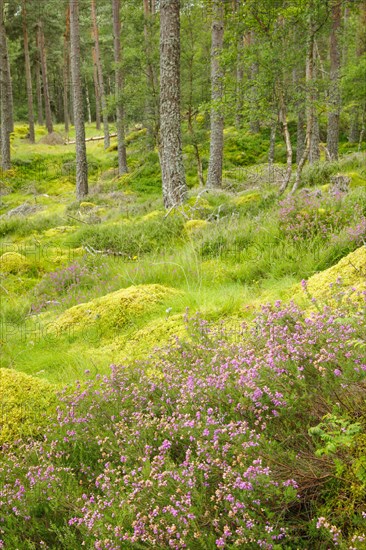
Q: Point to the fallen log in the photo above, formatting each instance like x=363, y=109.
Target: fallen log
x=94, y=138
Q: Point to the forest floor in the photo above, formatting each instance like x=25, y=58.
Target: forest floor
x=106, y=280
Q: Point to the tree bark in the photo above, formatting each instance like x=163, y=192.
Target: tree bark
x=286, y=135
x=272, y=143
x=171, y=157
x=66, y=70
x=334, y=91
x=120, y=114
x=309, y=104
x=10, y=84
x=300, y=133
x=5, y=91
x=87, y=99
x=239, y=75
x=314, y=152
x=28, y=75
x=354, y=133
x=214, y=176
x=39, y=92
x=102, y=95
x=46, y=93
x=152, y=100
x=81, y=159
x=96, y=89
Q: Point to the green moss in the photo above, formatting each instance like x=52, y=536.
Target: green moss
x=155, y=334
x=115, y=310
x=350, y=271
x=25, y=403
x=87, y=205
x=58, y=231
x=247, y=199
x=154, y=215
x=356, y=180
x=13, y=262
x=193, y=226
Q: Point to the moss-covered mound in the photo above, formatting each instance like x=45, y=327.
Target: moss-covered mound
x=349, y=273
x=25, y=403
x=13, y=262
x=192, y=226
x=115, y=310
x=156, y=333
x=247, y=199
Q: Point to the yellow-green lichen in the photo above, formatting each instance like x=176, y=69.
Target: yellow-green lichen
x=25, y=403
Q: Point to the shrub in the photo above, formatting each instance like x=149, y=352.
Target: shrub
x=303, y=216
x=205, y=444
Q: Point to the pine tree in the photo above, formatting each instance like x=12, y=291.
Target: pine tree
x=214, y=177
x=81, y=159
x=171, y=157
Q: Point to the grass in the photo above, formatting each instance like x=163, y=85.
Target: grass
x=241, y=256
x=223, y=254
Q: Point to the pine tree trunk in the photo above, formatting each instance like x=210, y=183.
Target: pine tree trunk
x=214, y=176
x=102, y=95
x=5, y=92
x=46, y=93
x=87, y=99
x=10, y=85
x=254, y=121
x=81, y=159
x=39, y=93
x=152, y=99
x=314, y=153
x=171, y=157
x=334, y=91
x=96, y=90
x=354, y=133
x=28, y=75
x=309, y=104
x=239, y=75
x=287, y=138
x=300, y=133
x=120, y=115
x=66, y=70
x=272, y=143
